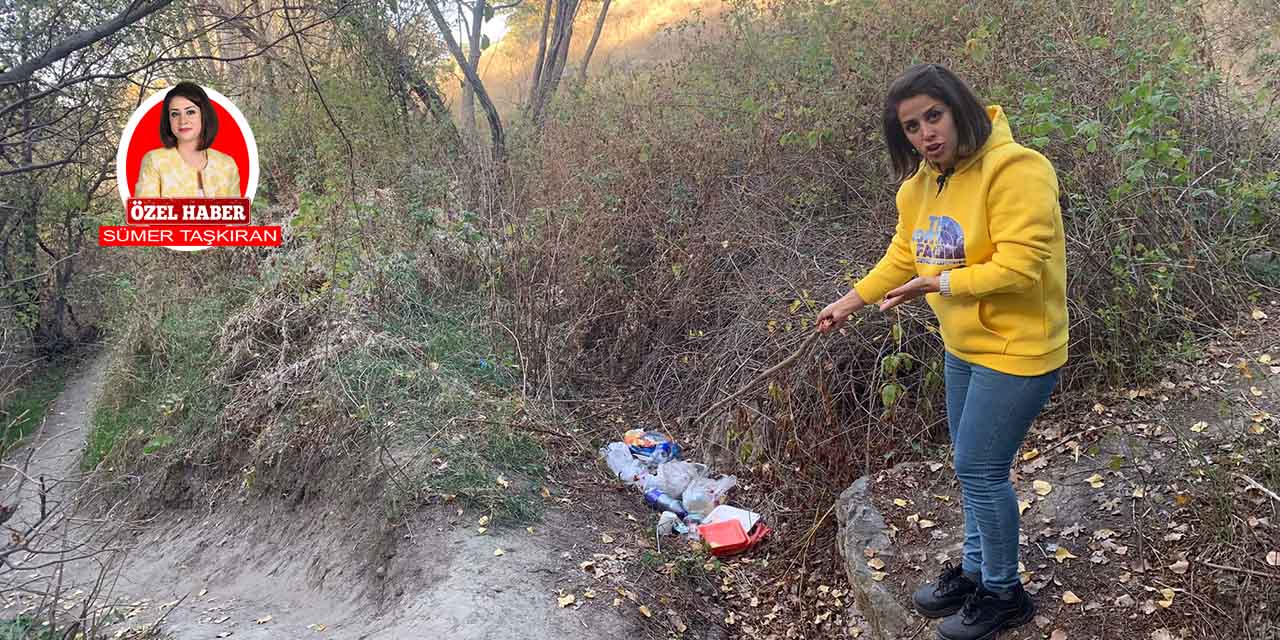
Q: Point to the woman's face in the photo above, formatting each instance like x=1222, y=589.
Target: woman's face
x=184, y=119
x=929, y=126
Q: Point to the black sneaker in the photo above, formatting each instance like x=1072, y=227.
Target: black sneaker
x=985, y=614
x=944, y=597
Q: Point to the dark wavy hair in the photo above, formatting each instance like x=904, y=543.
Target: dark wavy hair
x=973, y=126
x=208, y=117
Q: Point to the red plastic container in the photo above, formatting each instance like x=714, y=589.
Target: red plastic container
x=727, y=538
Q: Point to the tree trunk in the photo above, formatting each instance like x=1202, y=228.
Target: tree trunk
x=595, y=38
x=491, y=112
x=536, y=85
x=473, y=59
x=557, y=55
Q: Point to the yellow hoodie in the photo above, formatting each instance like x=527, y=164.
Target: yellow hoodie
x=995, y=224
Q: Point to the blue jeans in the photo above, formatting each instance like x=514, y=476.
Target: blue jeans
x=988, y=414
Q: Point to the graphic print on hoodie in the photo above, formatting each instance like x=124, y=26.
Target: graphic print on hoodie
x=942, y=243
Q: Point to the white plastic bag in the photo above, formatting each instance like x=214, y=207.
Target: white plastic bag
x=675, y=475
x=623, y=464
x=703, y=494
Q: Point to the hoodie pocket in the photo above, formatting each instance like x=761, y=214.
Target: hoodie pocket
x=964, y=328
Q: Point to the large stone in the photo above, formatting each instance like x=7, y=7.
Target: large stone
x=862, y=527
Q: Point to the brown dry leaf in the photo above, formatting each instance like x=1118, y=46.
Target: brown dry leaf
x=1125, y=600
x=1257, y=429
x=1063, y=554
x=644, y=610
x=927, y=524
x=565, y=601
x=606, y=538
x=878, y=575
x=1041, y=487
x=484, y=521
x=899, y=502
x=876, y=563
x=1199, y=426
x=1058, y=634
x=546, y=493
x=1179, y=567
x=1139, y=492
x=1042, y=621
x=503, y=482
x=1071, y=598
x=263, y=620
x=1162, y=634
x=589, y=594
x=1094, y=481
x=1273, y=558
x=1257, y=314
x=1148, y=607
x=481, y=530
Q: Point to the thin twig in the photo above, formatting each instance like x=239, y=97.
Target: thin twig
x=1258, y=485
x=1251, y=572
x=787, y=362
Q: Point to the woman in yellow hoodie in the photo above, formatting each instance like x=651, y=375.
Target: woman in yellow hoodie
x=980, y=237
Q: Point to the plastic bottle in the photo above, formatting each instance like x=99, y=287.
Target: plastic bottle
x=663, y=502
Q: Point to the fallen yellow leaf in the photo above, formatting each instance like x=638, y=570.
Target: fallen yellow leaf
x=263, y=620
x=1030, y=455
x=1139, y=492
x=1041, y=487
x=1063, y=554
x=1094, y=481
x=899, y=502
x=502, y=482
x=484, y=521
x=1071, y=598
x=644, y=610
x=876, y=563
x=1179, y=567
x=565, y=601
x=1168, y=598
x=1023, y=505
x=1258, y=315
x=1199, y=426
x=606, y=538
x=927, y=524
x=499, y=552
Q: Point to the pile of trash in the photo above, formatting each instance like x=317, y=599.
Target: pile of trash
x=691, y=502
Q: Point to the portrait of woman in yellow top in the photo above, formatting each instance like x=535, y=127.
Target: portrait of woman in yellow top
x=185, y=167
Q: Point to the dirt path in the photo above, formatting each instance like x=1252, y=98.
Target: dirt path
x=262, y=571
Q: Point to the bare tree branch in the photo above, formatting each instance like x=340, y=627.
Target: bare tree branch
x=136, y=11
